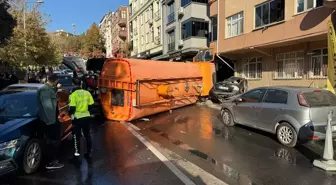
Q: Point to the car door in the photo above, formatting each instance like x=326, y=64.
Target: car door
x=63, y=116
x=247, y=111
x=274, y=104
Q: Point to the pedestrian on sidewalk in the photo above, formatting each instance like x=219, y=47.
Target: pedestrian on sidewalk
x=48, y=114
x=81, y=103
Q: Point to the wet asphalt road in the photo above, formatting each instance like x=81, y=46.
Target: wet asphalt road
x=119, y=158
x=237, y=155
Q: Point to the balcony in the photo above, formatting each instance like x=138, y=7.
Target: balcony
x=157, y=40
x=122, y=22
x=123, y=34
x=157, y=15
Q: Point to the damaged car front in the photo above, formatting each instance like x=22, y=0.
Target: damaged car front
x=230, y=87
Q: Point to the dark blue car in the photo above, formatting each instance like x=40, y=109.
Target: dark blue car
x=21, y=137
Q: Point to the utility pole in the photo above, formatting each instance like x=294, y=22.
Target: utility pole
x=24, y=22
x=74, y=28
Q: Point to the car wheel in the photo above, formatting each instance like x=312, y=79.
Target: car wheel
x=227, y=118
x=32, y=156
x=286, y=135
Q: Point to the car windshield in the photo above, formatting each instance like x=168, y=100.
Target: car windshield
x=65, y=80
x=17, y=104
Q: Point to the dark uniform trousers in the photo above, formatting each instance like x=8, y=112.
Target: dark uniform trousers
x=79, y=125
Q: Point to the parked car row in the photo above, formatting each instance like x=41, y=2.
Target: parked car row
x=294, y=114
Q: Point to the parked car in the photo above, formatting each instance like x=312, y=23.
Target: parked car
x=292, y=113
x=21, y=138
x=227, y=88
x=66, y=81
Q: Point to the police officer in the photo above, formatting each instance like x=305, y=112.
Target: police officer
x=81, y=103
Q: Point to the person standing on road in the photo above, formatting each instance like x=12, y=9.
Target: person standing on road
x=48, y=114
x=81, y=103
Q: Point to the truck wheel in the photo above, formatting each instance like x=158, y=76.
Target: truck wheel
x=32, y=156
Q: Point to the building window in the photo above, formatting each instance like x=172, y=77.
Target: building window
x=270, y=12
x=171, y=40
x=171, y=12
x=195, y=29
x=252, y=68
x=304, y=5
x=319, y=63
x=186, y=2
x=123, y=14
x=235, y=25
x=289, y=65
x=214, y=28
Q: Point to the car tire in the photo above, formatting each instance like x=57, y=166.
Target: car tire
x=286, y=135
x=32, y=156
x=227, y=118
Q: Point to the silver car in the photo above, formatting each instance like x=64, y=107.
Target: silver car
x=292, y=113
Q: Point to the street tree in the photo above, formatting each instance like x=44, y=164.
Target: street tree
x=32, y=45
x=7, y=22
x=93, y=41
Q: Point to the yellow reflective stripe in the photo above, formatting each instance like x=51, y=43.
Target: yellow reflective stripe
x=82, y=114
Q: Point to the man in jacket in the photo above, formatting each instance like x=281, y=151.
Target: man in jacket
x=81, y=103
x=48, y=114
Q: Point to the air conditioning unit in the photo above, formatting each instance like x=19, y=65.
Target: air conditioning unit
x=181, y=43
x=181, y=11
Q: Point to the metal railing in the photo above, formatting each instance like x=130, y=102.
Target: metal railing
x=171, y=46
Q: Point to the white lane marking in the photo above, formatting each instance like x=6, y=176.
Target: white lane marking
x=188, y=166
x=164, y=159
x=134, y=127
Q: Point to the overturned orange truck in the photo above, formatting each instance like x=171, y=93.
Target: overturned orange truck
x=132, y=89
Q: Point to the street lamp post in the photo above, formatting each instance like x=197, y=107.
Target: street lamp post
x=24, y=22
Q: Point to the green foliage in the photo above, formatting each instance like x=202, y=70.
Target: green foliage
x=93, y=42
x=39, y=49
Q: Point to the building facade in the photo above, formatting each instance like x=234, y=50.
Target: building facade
x=120, y=32
x=275, y=42
x=185, y=25
x=146, y=34
x=105, y=27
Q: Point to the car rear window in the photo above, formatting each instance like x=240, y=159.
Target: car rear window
x=319, y=98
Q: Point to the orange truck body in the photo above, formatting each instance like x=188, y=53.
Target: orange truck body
x=133, y=88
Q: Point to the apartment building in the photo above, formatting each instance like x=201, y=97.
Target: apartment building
x=274, y=42
x=105, y=27
x=145, y=22
x=120, y=32
x=185, y=25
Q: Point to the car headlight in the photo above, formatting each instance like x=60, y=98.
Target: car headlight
x=223, y=87
x=9, y=144
x=8, y=148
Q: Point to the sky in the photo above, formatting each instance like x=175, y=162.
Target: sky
x=82, y=13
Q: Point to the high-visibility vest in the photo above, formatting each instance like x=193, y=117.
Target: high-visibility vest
x=81, y=99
